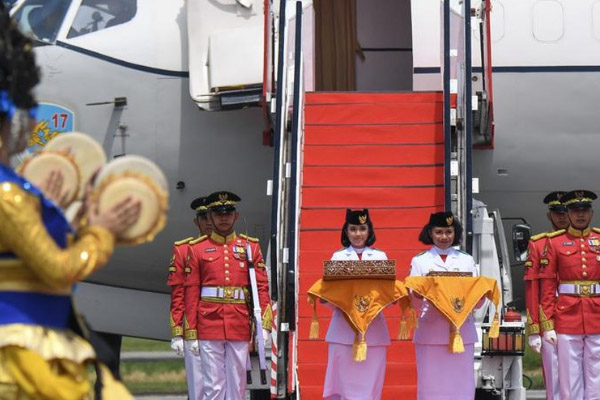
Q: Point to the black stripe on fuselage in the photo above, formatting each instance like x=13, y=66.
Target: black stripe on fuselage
x=521, y=69
x=137, y=67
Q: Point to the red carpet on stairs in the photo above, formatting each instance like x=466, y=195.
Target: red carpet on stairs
x=382, y=151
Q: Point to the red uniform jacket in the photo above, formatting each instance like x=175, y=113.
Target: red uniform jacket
x=572, y=256
x=538, y=249
x=217, y=261
x=175, y=280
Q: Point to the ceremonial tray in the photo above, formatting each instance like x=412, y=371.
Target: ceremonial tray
x=367, y=269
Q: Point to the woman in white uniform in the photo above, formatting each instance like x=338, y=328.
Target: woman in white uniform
x=441, y=374
x=345, y=378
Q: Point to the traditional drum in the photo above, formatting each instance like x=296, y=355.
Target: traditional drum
x=141, y=179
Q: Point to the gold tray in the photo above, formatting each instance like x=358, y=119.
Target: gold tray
x=450, y=273
x=367, y=269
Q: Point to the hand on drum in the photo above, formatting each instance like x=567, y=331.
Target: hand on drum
x=53, y=188
x=117, y=218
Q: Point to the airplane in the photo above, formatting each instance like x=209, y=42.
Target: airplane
x=190, y=85
x=120, y=71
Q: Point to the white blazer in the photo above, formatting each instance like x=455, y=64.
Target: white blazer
x=433, y=326
x=339, y=331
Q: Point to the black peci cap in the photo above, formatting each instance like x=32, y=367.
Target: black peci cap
x=357, y=217
x=579, y=199
x=222, y=202
x=555, y=202
x=199, y=205
x=441, y=219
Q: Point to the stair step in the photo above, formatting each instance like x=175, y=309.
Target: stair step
x=374, y=155
x=373, y=114
x=378, y=97
x=315, y=351
x=386, y=238
x=319, y=218
x=397, y=374
x=367, y=134
x=335, y=175
x=395, y=392
x=359, y=197
x=324, y=318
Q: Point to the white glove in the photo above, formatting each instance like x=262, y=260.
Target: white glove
x=550, y=337
x=193, y=347
x=177, y=345
x=535, y=343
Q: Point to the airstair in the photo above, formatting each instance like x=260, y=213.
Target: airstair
x=402, y=155
x=382, y=151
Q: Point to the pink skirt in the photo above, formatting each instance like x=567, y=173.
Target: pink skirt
x=347, y=379
x=442, y=375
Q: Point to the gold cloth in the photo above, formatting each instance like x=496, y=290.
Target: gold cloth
x=455, y=297
x=361, y=300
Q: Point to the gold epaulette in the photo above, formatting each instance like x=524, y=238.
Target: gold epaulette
x=597, y=230
x=184, y=241
x=539, y=236
x=250, y=238
x=198, y=240
x=556, y=233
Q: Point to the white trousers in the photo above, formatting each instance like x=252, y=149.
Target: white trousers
x=550, y=365
x=193, y=373
x=579, y=366
x=223, y=366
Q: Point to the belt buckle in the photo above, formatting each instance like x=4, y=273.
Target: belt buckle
x=228, y=292
x=585, y=289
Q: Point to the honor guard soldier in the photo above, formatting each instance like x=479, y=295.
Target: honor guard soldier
x=177, y=315
x=572, y=319
x=538, y=249
x=218, y=279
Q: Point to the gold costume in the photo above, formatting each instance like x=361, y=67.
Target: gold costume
x=40, y=362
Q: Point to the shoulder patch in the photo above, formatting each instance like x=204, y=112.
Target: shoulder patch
x=183, y=241
x=597, y=230
x=556, y=233
x=539, y=236
x=198, y=240
x=462, y=251
x=250, y=238
x=421, y=253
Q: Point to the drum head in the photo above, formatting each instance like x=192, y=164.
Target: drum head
x=88, y=154
x=37, y=169
x=141, y=179
x=135, y=163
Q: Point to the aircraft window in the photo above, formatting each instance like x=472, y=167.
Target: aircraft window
x=41, y=19
x=548, y=21
x=95, y=15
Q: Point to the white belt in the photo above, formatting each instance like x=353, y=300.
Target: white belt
x=579, y=289
x=223, y=292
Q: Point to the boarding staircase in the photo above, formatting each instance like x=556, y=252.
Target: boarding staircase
x=382, y=151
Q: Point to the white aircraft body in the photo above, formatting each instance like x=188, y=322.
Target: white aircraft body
x=143, y=83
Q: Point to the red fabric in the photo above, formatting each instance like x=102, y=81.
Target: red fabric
x=207, y=265
x=175, y=280
x=536, y=250
x=443, y=257
x=374, y=113
x=566, y=254
x=369, y=134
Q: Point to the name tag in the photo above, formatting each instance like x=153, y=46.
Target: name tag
x=210, y=250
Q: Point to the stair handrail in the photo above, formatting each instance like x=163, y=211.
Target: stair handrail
x=486, y=125
x=287, y=139
x=458, y=126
